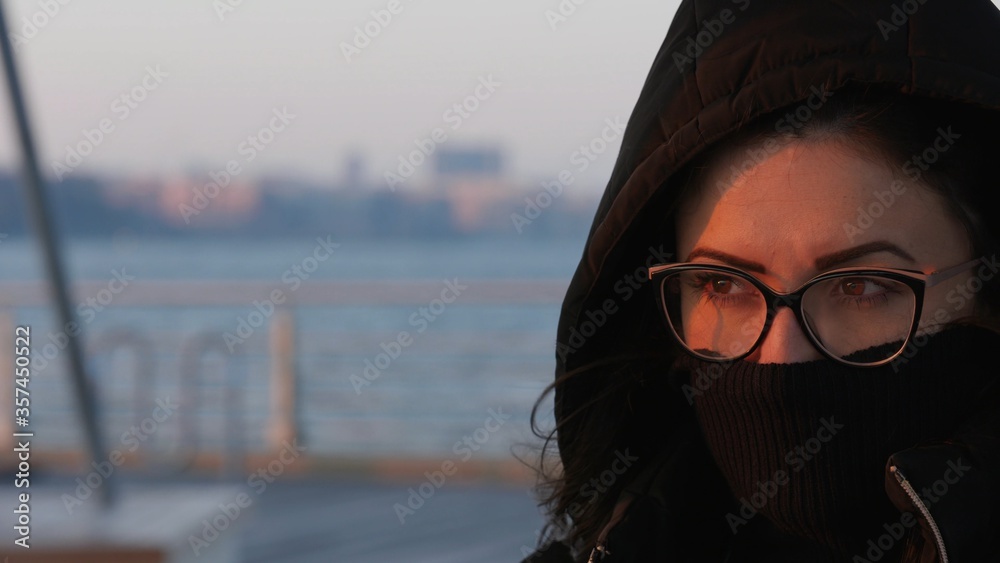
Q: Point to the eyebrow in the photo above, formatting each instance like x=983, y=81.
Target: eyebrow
x=822, y=263
x=828, y=261
x=713, y=254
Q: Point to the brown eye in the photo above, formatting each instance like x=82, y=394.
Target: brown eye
x=722, y=285
x=858, y=287
x=853, y=286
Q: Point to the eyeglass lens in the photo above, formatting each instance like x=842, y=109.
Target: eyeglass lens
x=861, y=319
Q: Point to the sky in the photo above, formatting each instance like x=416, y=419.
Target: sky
x=220, y=71
x=217, y=72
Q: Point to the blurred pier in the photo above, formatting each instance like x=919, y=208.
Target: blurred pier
x=292, y=521
x=183, y=407
x=296, y=368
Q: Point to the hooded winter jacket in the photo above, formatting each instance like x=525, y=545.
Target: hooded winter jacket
x=723, y=63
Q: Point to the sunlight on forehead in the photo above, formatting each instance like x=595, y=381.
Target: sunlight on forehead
x=807, y=200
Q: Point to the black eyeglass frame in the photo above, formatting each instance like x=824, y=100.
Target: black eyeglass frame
x=916, y=280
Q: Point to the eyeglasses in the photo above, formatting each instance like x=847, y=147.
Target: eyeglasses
x=856, y=316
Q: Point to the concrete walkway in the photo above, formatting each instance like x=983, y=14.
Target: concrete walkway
x=287, y=521
x=322, y=522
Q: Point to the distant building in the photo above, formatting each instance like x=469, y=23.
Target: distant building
x=473, y=180
x=354, y=178
x=469, y=162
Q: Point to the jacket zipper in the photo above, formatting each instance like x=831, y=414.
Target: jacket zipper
x=599, y=552
x=919, y=503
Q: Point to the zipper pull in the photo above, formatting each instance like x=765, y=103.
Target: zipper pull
x=599, y=552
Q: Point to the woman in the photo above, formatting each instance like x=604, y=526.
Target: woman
x=807, y=372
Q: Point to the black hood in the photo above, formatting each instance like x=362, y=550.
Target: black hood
x=722, y=64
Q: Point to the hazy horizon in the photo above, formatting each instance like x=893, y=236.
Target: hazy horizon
x=220, y=68
x=218, y=74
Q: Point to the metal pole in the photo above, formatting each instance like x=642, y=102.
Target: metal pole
x=44, y=229
x=282, y=426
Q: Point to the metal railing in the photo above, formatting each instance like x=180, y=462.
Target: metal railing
x=286, y=381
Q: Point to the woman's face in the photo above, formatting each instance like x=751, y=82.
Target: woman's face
x=801, y=209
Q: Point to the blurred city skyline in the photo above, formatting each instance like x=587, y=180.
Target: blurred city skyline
x=186, y=87
x=468, y=192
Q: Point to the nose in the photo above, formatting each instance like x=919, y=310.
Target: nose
x=785, y=343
